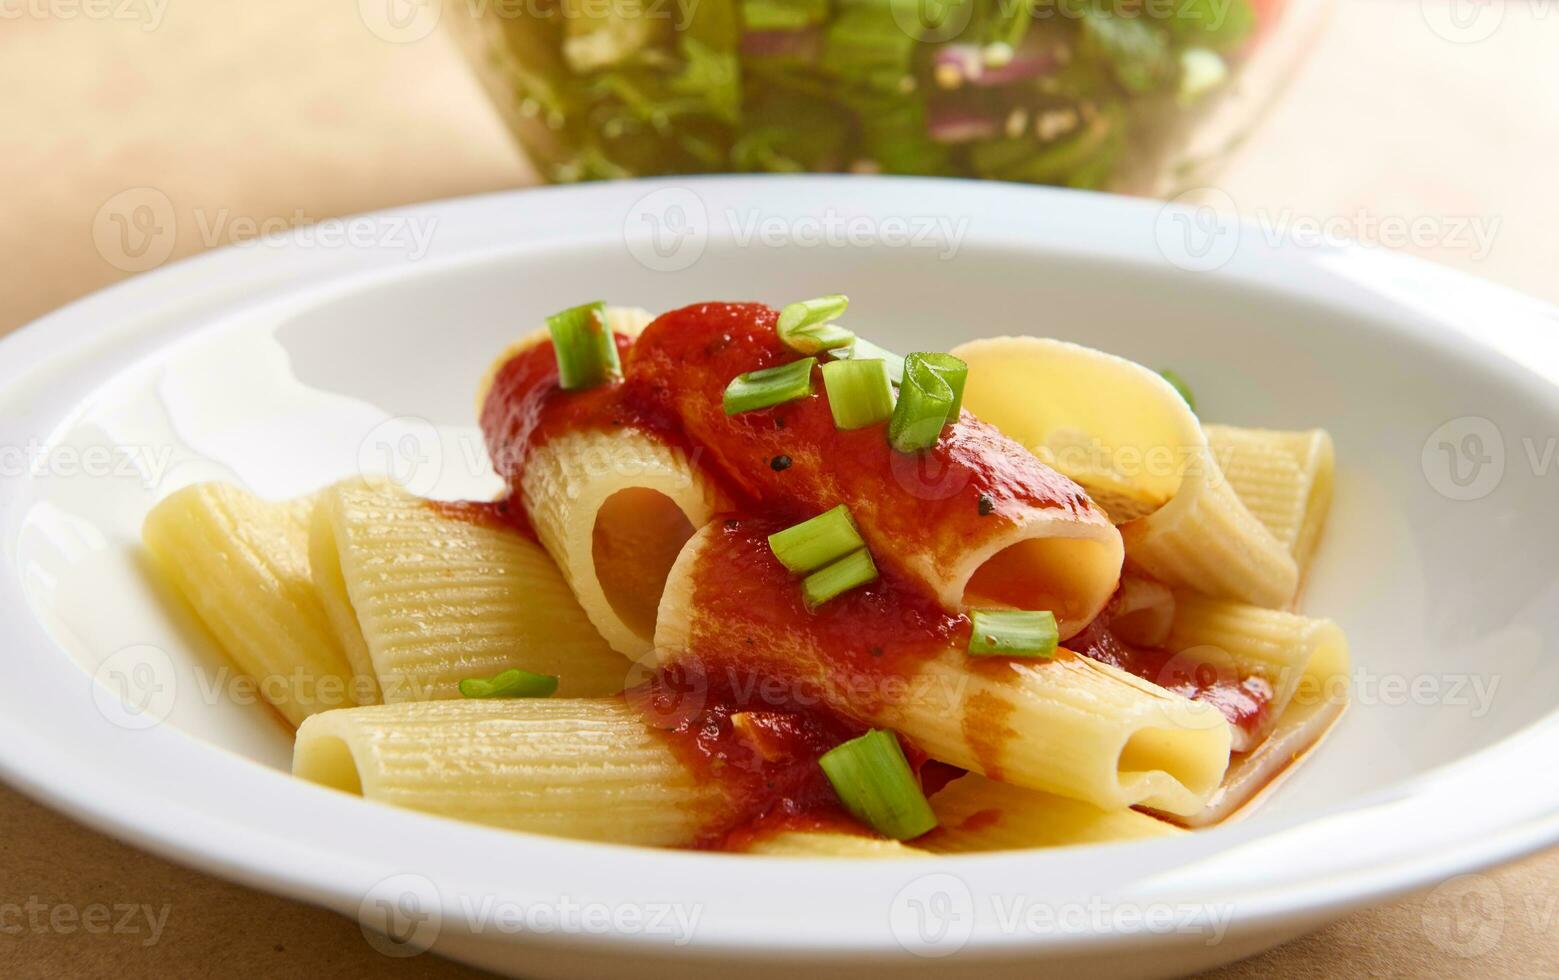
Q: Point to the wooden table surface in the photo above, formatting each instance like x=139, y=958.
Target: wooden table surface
x=247, y=114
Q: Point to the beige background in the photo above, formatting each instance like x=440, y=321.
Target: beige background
x=291, y=110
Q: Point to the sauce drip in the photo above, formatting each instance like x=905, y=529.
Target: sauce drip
x=1243, y=701
x=762, y=751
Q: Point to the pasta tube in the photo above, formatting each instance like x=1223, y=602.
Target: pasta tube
x=830, y=844
x=242, y=563
x=325, y=564
x=975, y=519
x=979, y=814
x=584, y=769
x=1285, y=478
x=441, y=592
x=1132, y=442
x=614, y=509
x=611, y=503
x=1306, y=663
x=1069, y=726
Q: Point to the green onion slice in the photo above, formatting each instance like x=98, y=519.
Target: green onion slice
x=1178, y=383
x=770, y=386
x=865, y=350
x=859, y=393
x=812, y=544
x=1013, y=633
x=854, y=569
x=876, y=785
x=929, y=398
x=586, y=349
x=514, y=683
x=807, y=328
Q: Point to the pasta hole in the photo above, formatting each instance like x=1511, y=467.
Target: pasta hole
x=638, y=534
x=1067, y=576
x=1172, y=751
x=327, y=760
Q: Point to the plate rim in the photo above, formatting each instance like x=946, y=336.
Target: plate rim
x=226, y=279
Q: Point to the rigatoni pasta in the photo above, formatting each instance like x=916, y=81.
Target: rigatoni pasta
x=1284, y=478
x=979, y=814
x=242, y=563
x=1128, y=437
x=759, y=585
x=585, y=769
x=443, y=592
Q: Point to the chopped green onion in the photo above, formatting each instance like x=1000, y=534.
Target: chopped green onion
x=806, y=327
x=1012, y=633
x=770, y=386
x=586, y=349
x=876, y=785
x=953, y=372
x=865, y=350
x=1178, y=383
x=510, y=684
x=812, y=544
x=843, y=575
x=859, y=392
x=929, y=398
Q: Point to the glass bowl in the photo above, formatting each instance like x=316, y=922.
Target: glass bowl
x=1142, y=96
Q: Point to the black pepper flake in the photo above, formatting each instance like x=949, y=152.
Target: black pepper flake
x=732, y=524
x=779, y=421
x=780, y=463
x=987, y=505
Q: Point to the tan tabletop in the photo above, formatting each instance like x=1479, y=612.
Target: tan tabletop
x=249, y=114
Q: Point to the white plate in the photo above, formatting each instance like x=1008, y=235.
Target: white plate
x=291, y=363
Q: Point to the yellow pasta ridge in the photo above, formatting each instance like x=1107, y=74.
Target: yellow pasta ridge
x=583, y=769
x=1297, y=655
x=571, y=488
x=242, y=563
x=1205, y=539
x=1284, y=478
x=440, y=597
x=979, y=814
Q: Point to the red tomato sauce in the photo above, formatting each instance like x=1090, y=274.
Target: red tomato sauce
x=927, y=505
x=1243, y=701
x=505, y=513
x=763, y=752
